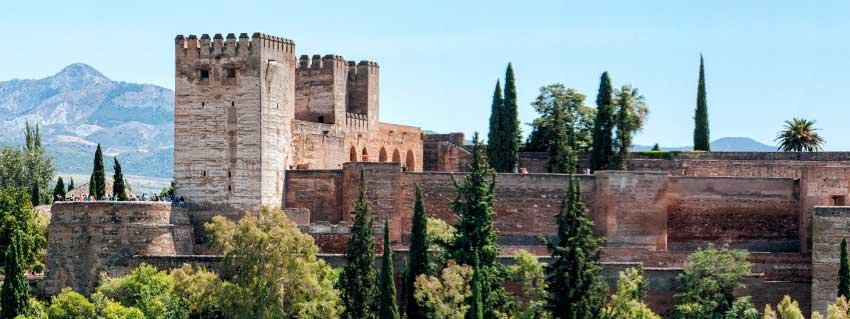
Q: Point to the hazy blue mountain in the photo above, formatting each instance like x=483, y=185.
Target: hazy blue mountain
x=726, y=144
x=80, y=107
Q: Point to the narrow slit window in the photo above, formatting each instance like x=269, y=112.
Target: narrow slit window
x=230, y=73
x=203, y=74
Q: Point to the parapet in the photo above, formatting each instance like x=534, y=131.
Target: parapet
x=328, y=63
x=192, y=47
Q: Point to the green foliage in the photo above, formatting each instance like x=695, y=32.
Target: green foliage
x=838, y=310
x=201, y=288
x=35, y=195
x=659, y=154
x=630, y=116
x=28, y=167
x=603, y=126
x=168, y=190
x=702, y=141
x=148, y=289
x=529, y=274
x=505, y=140
x=655, y=148
x=106, y=308
x=387, y=308
x=476, y=301
x=445, y=297
x=17, y=214
x=476, y=233
x=272, y=269
x=575, y=289
x=98, y=185
x=419, y=261
x=15, y=294
x=789, y=309
x=564, y=133
x=708, y=281
x=494, y=135
x=799, y=135
x=70, y=185
x=118, y=188
x=440, y=237
x=742, y=308
x=70, y=305
x=627, y=302
x=556, y=100
x=844, y=271
x=358, y=282
x=59, y=190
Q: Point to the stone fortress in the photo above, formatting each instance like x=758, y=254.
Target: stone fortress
x=254, y=126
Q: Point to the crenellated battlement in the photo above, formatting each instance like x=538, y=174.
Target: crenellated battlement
x=328, y=63
x=205, y=47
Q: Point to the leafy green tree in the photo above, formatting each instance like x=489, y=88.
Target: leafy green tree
x=701, y=130
x=59, y=190
x=742, y=308
x=35, y=195
x=508, y=137
x=844, y=271
x=560, y=146
x=359, y=280
x=149, y=290
x=71, y=185
x=557, y=99
x=440, y=237
x=388, y=309
x=98, y=177
x=118, y=189
x=476, y=232
x=603, y=126
x=168, y=191
x=201, y=288
x=272, y=269
x=708, y=280
x=627, y=302
x=630, y=116
x=799, y=135
x=69, y=304
x=528, y=273
x=656, y=148
x=15, y=294
x=17, y=214
x=418, y=262
x=445, y=297
x=494, y=135
x=575, y=288
x=28, y=165
x=838, y=310
x=106, y=308
x=789, y=309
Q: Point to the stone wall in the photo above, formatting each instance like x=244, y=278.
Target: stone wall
x=87, y=238
x=830, y=226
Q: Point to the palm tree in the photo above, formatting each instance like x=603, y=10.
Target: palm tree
x=799, y=135
x=630, y=116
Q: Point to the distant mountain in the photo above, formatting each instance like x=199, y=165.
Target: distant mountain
x=726, y=144
x=80, y=107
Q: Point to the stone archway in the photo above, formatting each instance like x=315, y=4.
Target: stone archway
x=364, y=156
x=410, y=162
x=352, y=155
x=382, y=156
x=396, y=157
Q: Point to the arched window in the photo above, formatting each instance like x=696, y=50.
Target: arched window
x=382, y=157
x=352, y=155
x=364, y=156
x=396, y=157
x=410, y=162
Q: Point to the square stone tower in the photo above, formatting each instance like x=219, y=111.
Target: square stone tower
x=233, y=107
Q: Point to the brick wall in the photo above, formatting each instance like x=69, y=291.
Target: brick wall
x=830, y=226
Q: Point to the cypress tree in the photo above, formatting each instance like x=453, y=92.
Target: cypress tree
x=389, y=308
x=575, y=288
x=118, y=187
x=494, y=134
x=14, y=296
x=59, y=190
x=91, y=185
x=35, y=195
x=98, y=177
x=476, y=309
x=603, y=127
x=701, y=131
x=560, y=146
x=476, y=231
x=358, y=280
x=844, y=271
x=71, y=184
x=511, y=136
x=418, y=262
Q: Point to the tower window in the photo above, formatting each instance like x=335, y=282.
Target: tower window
x=321, y=119
x=232, y=103
x=230, y=73
x=203, y=104
x=203, y=74
x=204, y=173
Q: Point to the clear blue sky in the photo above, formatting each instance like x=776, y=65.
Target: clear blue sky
x=766, y=61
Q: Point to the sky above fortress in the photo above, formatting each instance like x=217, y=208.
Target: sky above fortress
x=766, y=61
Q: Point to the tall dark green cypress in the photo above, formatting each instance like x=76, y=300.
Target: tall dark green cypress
x=71, y=184
x=511, y=135
x=358, y=281
x=575, y=288
x=844, y=271
x=476, y=231
x=98, y=177
x=494, y=134
x=59, y=190
x=560, y=145
x=701, y=131
x=476, y=309
x=35, y=195
x=388, y=306
x=15, y=294
x=603, y=127
x=118, y=188
x=418, y=262
x=92, y=186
